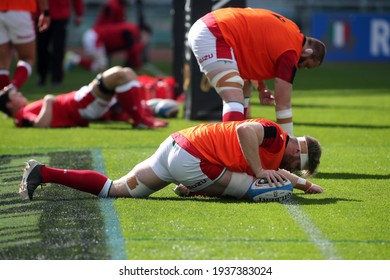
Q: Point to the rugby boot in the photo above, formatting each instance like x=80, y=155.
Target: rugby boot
x=31, y=179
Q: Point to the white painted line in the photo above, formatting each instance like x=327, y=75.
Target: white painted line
x=114, y=238
x=315, y=234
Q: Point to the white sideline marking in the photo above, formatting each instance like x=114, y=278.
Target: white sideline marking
x=114, y=238
x=315, y=234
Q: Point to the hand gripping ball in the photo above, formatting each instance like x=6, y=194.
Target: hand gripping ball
x=260, y=191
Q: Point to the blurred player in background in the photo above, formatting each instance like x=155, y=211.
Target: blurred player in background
x=78, y=108
x=234, y=46
x=197, y=158
x=101, y=42
x=112, y=11
x=51, y=44
x=17, y=33
x=112, y=34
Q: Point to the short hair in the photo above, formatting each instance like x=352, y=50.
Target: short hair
x=4, y=99
x=314, y=153
x=319, y=49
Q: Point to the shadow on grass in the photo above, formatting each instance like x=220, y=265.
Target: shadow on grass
x=341, y=107
x=312, y=199
x=351, y=176
x=59, y=224
x=342, y=125
x=300, y=198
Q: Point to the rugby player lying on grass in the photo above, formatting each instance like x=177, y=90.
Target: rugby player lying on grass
x=216, y=159
x=78, y=108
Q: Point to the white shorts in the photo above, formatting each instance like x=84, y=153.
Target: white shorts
x=207, y=48
x=172, y=163
x=16, y=27
x=95, y=49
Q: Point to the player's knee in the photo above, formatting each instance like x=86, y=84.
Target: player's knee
x=122, y=75
x=104, y=86
x=128, y=74
x=227, y=80
x=129, y=186
x=115, y=77
x=136, y=187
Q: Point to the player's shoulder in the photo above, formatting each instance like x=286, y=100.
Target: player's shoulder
x=262, y=121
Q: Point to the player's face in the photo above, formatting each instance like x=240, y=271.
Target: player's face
x=291, y=160
x=294, y=164
x=17, y=100
x=307, y=63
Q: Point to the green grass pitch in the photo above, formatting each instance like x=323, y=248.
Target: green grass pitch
x=346, y=106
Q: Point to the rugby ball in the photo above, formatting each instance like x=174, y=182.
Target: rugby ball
x=166, y=108
x=260, y=191
x=152, y=103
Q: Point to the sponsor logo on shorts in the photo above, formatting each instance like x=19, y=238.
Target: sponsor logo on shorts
x=26, y=36
x=198, y=184
x=206, y=57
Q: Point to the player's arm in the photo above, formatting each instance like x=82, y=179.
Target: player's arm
x=300, y=183
x=78, y=7
x=283, y=107
x=286, y=66
x=251, y=136
x=46, y=114
x=43, y=18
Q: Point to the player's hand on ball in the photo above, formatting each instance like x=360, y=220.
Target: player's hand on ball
x=314, y=189
x=272, y=176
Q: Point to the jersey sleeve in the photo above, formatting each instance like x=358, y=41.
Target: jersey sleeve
x=286, y=66
x=273, y=139
x=24, y=119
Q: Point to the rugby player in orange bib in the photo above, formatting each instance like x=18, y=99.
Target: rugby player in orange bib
x=237, y=46
x=215, y=159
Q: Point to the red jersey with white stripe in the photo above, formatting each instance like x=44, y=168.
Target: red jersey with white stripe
x=71, y=109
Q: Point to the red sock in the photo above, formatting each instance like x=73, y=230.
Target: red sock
x=22, y=72
x=233, y=116
x=82, y=180
x=233, y=111
x=4, y=78
x=129, y=96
